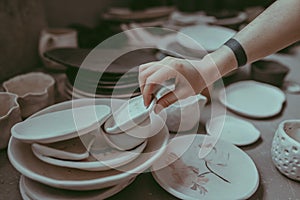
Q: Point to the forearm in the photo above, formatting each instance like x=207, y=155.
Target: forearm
x=277, y=27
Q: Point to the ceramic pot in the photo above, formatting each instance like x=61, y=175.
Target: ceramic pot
x=286, y=148
x=270, y=72
x=52, y=38
x=9, y=115
x=35, y=91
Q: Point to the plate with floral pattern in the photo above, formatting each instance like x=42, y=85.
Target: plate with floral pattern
x=226, y=172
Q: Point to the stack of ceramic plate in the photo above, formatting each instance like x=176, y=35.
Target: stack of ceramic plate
x=102, y=73
x=102, y=89
x=86, y=83
x=71, y=160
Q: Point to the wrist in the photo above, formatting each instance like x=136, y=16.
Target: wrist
x=215, y=65
x=223, y=59
x=238, y=51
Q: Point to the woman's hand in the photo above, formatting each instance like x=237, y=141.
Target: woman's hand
x=188, y=80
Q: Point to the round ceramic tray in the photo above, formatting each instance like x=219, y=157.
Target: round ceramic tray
x=253, y=99
x=47, y=128
x=233, y=130
x=23, y=159
x=204, y=37
x=226, y=172
x=35, y=190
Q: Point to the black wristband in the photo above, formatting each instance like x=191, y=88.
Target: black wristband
x=238, y=51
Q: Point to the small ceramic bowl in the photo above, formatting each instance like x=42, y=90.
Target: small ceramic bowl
x=286, y=148
x=268, y=71
x=35, y=91
x=135, y=136
x=9, y=115
x=184, y=115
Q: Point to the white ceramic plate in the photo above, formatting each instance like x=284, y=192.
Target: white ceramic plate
x=253, y=99
x=204, y=37
x=103, y=157
x=23, y=193
x=73, y=149
x=233, y=130
x=36, y=190
x=22, y=158
x=170, y=46
x=48, y=128
x=241, y=17
x=226, y=172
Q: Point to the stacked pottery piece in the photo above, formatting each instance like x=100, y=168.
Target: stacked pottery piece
x=102, y=80
x=101, y=73
x=89, y=84
x=62, y=153
x=35, y=90
x=23, y=95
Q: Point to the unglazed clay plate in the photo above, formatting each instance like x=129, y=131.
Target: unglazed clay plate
x=170, y=46
x=253, y=99
x=233, y=130
x=23, y=193
x=23, y=159
x=226, y=172
x=102, y=157
x=204, y=37
x=60, y=125
x=73, y=149
x=35, y=190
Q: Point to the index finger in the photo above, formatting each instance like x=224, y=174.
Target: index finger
x=157, y=78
